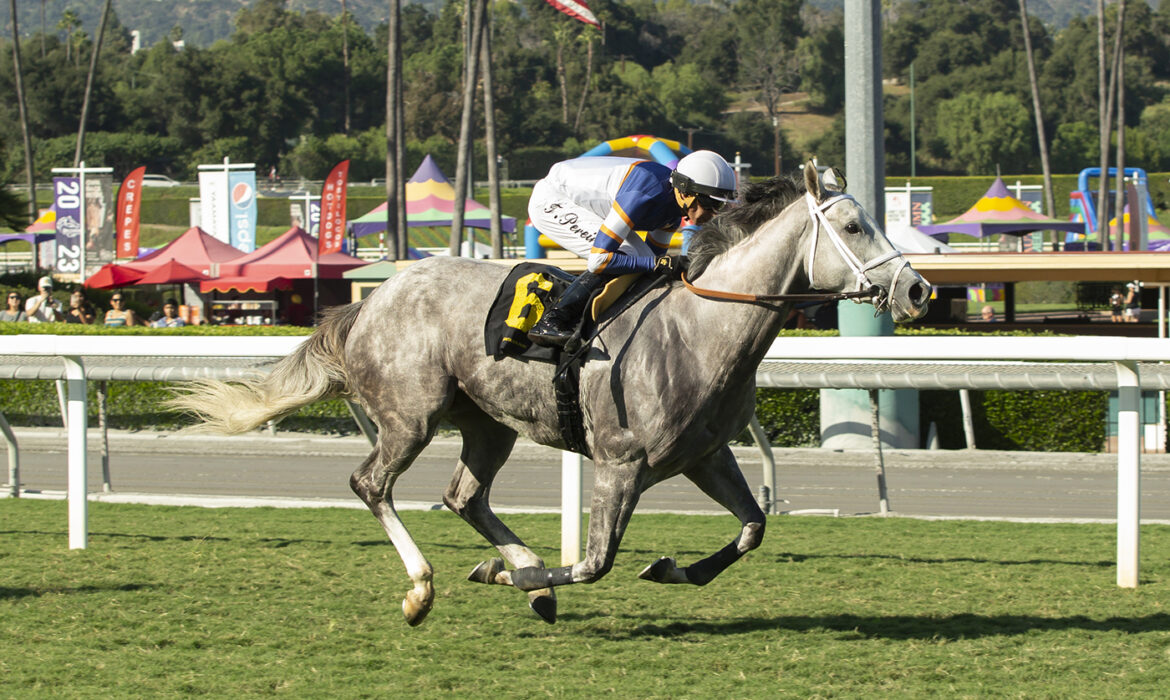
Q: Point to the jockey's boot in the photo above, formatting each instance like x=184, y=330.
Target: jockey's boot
x=557, y=324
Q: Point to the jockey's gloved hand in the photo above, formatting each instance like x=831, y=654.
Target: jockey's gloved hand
x=668, y=267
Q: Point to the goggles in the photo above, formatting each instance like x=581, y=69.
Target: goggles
x=710, y=203
x=689, y=187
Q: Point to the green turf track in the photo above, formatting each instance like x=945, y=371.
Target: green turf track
x=306, y=604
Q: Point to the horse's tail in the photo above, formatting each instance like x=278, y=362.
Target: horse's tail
x=314, y=371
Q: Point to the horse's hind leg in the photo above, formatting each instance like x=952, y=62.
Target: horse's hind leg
x=486, y=446
x=720, y=478
x=616, y=488
x=373, y=482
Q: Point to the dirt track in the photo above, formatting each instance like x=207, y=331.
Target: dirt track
x=983, y=484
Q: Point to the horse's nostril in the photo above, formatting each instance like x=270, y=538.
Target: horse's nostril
x=918, y=293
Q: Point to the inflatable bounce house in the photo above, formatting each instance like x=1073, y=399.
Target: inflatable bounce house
x=1140, y=233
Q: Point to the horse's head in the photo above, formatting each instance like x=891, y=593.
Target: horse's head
x=849, y=252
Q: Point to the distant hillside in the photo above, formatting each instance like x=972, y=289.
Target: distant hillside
x=1054, y=13
x=206, y=21
x=203, y=21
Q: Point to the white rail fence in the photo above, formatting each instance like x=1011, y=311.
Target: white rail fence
x=1123, y=354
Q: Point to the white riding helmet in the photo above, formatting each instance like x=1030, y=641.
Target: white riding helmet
x=705, y=173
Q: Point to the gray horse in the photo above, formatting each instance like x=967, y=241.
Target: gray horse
x=667, y=383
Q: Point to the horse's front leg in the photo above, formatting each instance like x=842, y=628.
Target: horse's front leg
x=720, y=478
x=615, y=494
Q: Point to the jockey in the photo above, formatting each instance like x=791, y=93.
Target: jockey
x=592, y=206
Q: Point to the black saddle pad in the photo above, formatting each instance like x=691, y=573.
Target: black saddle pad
x=527, y=291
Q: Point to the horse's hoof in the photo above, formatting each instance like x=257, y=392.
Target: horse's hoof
x=544, y=604
x=485, y=571
x=415, y=607
x=665, y=570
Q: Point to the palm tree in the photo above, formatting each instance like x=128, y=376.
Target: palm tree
x=70, y=22
x=345, y=59
x=395, y=150
x=473, y=36
x=1049, y=203
x=1103, y=128
x=1119, y=73
x=28, y=156
x=1106, y=94
x=97, y=48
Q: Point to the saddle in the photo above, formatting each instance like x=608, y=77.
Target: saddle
x=530, y=288
x=527, y=291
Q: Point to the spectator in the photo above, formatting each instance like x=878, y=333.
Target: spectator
x=988, y=314
x=80, y=310
x=119, y=315
x=1133, y=302
x=15, y=310
x=1116, y=302
x=43, y=308
x=170, y=317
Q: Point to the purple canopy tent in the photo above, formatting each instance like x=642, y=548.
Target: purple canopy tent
x=430, y=201
x=998, y=211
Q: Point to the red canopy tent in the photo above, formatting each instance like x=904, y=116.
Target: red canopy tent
x=111, y=275
x=293, y=256
x=195, y=249
x=172, y=272
x=245, y=284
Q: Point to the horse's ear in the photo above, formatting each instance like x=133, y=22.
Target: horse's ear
x=834, y=179
x=812, y=183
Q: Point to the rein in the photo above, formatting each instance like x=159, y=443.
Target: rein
x=717, y=295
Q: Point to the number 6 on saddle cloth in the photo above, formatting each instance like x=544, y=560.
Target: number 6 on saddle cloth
x=523, y=297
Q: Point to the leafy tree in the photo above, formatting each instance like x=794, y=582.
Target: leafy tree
x=688, y=97
x=1074, y=147
x=237, y=148
x=822, y=64
x=982, y=132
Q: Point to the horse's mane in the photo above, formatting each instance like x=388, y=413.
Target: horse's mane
x=760, y=202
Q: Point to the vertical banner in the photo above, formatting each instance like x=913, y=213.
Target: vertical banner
x=243, y=210
x=897, y=209
x=213, y=206
x=67, y=200
x=333, y=210
x=922, y=208
x=314, y=222
x=129, y=210
x=99, y=220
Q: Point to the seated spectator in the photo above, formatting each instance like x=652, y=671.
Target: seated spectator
x=80, y=310
x=15, y=310
x=43, y=308
x=988, y=314
x=119, y=315
x=170, y=317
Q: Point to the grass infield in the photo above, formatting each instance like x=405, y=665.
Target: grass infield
x=306, y=603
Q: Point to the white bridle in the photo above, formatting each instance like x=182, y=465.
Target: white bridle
x=816, y=212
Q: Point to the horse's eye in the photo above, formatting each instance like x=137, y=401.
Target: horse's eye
x=852, y=227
